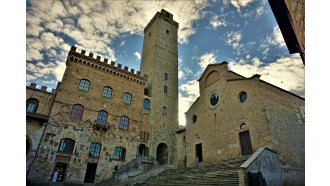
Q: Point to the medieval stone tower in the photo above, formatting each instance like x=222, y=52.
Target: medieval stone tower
x=160, y=64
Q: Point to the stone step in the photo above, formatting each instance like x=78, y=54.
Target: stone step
x=212, y=174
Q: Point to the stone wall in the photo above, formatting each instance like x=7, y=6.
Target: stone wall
x=84, y=132
x=264, y=161
x=272, y=116
x=160, y=56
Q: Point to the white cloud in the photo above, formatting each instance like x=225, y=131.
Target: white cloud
x=93, y=25
x=260, y=10
x=181, y=74
x=206, y=59
x=191, y=90
x=122, y=43
x=137, y=55
x=184, y=105
x=234, y=38
x=215, y=22
x=274, y=39
x=238, y=4
x=287, y=73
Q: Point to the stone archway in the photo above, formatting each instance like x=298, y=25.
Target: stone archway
x=162, y=153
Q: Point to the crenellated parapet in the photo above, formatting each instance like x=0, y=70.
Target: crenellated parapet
x=33, y=86
x=96, y=63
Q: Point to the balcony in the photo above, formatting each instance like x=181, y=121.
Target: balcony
x=102, y=126
x=33, y=115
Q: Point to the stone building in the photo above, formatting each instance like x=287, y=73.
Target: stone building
x=108, y=124
x=38, y=105
x=235, y=116
x=104, y=116
x=290, y=16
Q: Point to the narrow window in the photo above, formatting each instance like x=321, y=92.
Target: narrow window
x=84, y=85
x=107, y=92
x=127, y=98
x=102, y=117
x=146, y=104
x=124, y=122
x=164, y=111
x=165, y=89
x=119, y=153
x=31, y=105
x=149, y=34
x=66, y=145
x=77, y=111
x=165, y=76
x=167, y=31
x=94, y=150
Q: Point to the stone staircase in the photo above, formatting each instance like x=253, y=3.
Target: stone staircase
x=224, y=173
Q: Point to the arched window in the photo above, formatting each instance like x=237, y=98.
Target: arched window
x=146, y=104
x=165, y=89
x=84, y=85
x=94, y=150
x=164, y=111
x=124, y=122
x=77, y=111
x=31, y=105
x=66, y=145
x=119, y=153
x=102, y=117
x=165, y=76
x=107, y=92
x=127, y=98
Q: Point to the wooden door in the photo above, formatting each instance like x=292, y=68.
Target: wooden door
x=245, y=143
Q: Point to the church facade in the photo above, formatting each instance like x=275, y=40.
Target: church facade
x=235, y=116
x=101, y=117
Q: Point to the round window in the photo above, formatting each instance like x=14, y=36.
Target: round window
x=243, y=96
x=194, y=118
x=214, y=99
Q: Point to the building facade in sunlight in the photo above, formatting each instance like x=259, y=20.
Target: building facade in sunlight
x=235, y=116
x=109, y=125
x=102, y=116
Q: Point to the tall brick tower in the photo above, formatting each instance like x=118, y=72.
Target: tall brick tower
x=160, y=63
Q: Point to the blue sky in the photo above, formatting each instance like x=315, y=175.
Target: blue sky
x=242, y=32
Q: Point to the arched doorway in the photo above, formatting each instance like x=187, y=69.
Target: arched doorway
x=162, y=153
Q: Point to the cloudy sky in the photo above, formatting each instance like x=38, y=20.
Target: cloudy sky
x=242, y=32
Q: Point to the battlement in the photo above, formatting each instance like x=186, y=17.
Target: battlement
x=165, y=15
x=33, y=86
x=104, y=65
